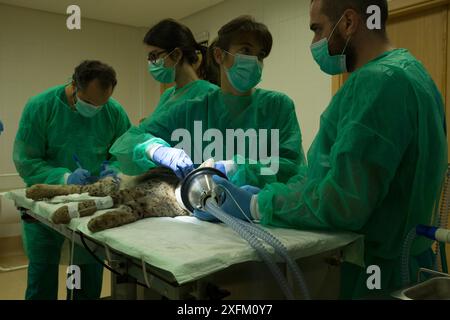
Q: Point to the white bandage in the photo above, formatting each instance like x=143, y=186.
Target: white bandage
x=104, y=203
x=73, y=210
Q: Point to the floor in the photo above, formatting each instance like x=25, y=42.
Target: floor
x=13, y=283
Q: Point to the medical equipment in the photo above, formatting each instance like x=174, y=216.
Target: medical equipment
x=198, y=186
x=444, y=212
x=433, y=233
x=441, y=235
x=198, y=191
x=426, y=231
x=406, y=249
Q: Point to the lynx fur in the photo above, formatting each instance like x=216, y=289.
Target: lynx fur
x=149, y=195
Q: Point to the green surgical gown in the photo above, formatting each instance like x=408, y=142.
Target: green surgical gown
x=207, y=121
x=49, y=134
x=376, y=167
x=123, y=149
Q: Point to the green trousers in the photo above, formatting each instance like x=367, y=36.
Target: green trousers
x=43, y=248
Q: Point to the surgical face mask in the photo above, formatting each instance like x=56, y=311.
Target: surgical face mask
x=329, y=64
x=245, y=73
x=87, y=110
x=161, y=73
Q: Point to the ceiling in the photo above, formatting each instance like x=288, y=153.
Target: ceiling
x=137, y=13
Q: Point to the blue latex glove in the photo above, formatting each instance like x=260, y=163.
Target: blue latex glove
x=243, y=197
x=253, y=190
x=105, y=171
x=79, y=177
x=1, y=127
x=175, y=159
x=226, y=167
x=221, y=167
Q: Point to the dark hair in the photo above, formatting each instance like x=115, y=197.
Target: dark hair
x=90, y=70
x=232, y=30
x=212, y=67
x=334, y=9
x=169, y=34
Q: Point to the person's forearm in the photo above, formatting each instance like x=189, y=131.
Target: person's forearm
x=40, y=172
x=260, y=173
x=141, y=153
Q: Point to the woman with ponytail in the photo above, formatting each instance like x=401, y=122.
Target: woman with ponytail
x=174, y=57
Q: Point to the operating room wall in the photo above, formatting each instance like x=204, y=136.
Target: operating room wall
x=37, y=51
x=290, y=67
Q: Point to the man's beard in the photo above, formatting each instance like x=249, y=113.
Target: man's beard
x=337, y=48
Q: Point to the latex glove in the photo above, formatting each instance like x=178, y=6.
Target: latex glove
x=106, y=171
x=175, y=159
x=221, y=167
x=79, y=177
x=243, y=197
x=253, y=190
x=226, y=167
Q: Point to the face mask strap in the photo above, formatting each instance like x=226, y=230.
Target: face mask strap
x=241, y=54
x=335, y=26
x=168, y=55
x=332, y=32
x=244, y=55
x=75, y=97
x=227, y=52
x=223, y=50
x=346, y=45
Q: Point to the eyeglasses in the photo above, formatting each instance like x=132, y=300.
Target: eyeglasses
x=153, y=57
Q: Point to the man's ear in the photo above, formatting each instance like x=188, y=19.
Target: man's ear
x=218, y=55
x=351, y=23
x=74, y=87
